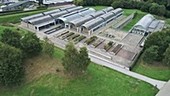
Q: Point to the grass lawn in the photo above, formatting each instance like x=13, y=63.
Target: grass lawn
x=154, y=71
x=98, y=81
x=8, y=26
x=139, y=15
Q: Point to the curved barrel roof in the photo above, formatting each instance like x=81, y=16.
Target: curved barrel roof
x=108, y=9
x=41, y=20
x=69, y=18
x=74, y=9
x=145, y=22
x=117, y=11
x=108, y=16
x=93, y=23
x=82, y=20
x=32, y=17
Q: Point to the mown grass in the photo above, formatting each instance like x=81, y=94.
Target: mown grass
x=98, y=81
x=138, y=16
x=11, y=27
x=43, y=80
x=155, y=71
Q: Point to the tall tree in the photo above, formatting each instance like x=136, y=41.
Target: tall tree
x=160, y=39
x=10, y=37
x=11, y=68
x=31, y=44
x=84, y=59
x=48, y=47
x=166, y=59
x=75, y=62
x=70, y=60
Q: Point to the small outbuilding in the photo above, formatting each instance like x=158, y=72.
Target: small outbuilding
x=147, y=24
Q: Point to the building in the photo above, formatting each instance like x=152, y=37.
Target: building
x=76, y=23
x=8, y=1
x=147, y=24
x=91, y=26
x=47, y=20
x=57, y=2
x=77, y=18
x=66, y=19
x=18, y=6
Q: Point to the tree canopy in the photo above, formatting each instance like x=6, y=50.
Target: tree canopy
x=11, y=38
x=75, y=62
x=11, y=68
x=31, y=44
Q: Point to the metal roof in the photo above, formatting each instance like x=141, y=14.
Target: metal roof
x=31, y=17
x=93, y=23
x=40, y=20
x=117, y=11
x=16, y=4
x=154, y=24
x=145, y=22
x=87, y=12
x=45, y=23
x=98, y=13
x=58, y=14
x=82, y=20
x=51, y=12
x=67, y=7
x=108, y=15
x=108, y=9
x=80, y=14
x=74, y=12
x=74, y=9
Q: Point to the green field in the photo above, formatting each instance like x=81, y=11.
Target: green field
x=158, y=71
x=98, y=81
x=139, y=15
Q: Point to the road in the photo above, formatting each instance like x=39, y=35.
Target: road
x=106, y=63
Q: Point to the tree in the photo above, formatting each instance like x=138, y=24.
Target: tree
x=160, y=39
x=70, y=60
x=166, y=59
x=150, y=54
x=75, y=62
x=84, y=60
x=11, y=38
x=78, y=2
x=48, y=48
x=11, y=68
x=31, y=45
x=157, y=9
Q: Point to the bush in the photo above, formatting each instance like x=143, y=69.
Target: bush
x=157, y=9
x=167, y=14
x=11, y=68
x=90, y=40
x=31, y=45
x=150, y=54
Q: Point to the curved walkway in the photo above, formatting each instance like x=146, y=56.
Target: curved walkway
x=109, y=64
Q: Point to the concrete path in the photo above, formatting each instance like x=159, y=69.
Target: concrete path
x=106, y=63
